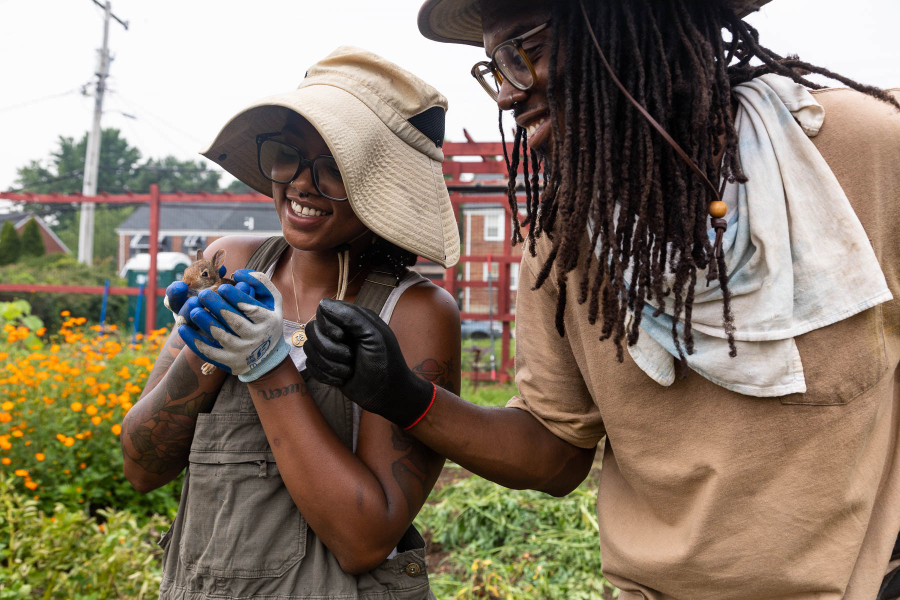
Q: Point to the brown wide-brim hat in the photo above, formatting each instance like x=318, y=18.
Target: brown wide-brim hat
x=385, y=128
x=459, y=21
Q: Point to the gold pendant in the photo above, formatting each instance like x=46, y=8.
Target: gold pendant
x=299, y=337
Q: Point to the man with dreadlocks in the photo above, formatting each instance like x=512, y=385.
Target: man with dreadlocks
x=749, y=392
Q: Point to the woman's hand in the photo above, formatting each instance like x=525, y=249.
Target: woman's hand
x=239, y=328
x=352, y=348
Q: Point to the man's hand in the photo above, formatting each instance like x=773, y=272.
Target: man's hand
x=238, y=328
x=352, y=348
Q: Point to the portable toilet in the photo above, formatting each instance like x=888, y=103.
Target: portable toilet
x=170, y=268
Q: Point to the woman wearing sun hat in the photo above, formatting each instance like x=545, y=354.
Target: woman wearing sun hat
x=291, y=490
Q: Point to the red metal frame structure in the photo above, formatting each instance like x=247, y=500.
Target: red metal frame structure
x=462, y=193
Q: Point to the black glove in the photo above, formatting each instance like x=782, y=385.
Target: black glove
x=353, y=349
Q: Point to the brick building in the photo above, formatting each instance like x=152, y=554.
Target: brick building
x=52, y=243
x=485, y=230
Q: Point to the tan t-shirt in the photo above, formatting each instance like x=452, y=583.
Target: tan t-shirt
x=706, y=493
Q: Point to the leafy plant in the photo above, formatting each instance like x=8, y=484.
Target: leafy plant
x=61, y=411
x=19, y=323
x=67, y=554
x=32, y=242
x=10, y=244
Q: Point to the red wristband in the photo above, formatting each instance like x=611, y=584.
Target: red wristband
x=422, y=416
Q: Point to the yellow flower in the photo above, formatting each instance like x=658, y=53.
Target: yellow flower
x=76, y=406
x=21, y=472
x=116, y=429
x=65, y=313
x=17, y=433
x=7, y=405
x=40, y=456
x=91, y=410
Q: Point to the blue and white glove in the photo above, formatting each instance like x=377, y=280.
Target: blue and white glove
x=238, y=332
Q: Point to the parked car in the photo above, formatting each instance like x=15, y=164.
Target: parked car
x=480, y=330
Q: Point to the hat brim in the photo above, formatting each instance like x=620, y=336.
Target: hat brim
x=395, y=190
x=459, y=21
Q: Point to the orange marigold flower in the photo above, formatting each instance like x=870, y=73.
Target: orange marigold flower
x=40, y=456
x=17, y=433
x=65, y=313
x=5, y=417
x=69, y=441
x=3, y=355
x=41, y=331
x=67, y=472
x=83, y=466
x=116, y=429
x=21, y=472
x=76, y=406
x=7, y=405
x=101, y=399
x=124, y=373
x=54, y=348
x=5, y=460
x=31, y=485
x=96, y=420
x=60, y=437
x=79, y=436
x=91, y=410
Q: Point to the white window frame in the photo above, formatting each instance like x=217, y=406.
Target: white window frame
x=500, y=235
x=514, y=276
x=495, y=272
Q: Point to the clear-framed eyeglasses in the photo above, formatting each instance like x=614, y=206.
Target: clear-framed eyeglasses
x=509, y=62
x=282, y=163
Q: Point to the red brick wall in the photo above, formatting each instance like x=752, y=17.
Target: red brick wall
x=478, y=246
x=50, y=244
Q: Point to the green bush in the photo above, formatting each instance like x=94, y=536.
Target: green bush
x=10, y=244
x=62, y=402
x=514, y=544
x=32, y=242
x=62, y=269
x=66, y=554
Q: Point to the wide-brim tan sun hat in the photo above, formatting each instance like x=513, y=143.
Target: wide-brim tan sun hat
x=385, y=128
x=459, y=21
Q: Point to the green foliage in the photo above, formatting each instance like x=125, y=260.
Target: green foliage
x=488, y=394
x=63, y=269
x=107, y=217
x=18, y=314
x=61, y=409
x=514, y=544
x=10, y=244
x=32, y=242
x=66, y=554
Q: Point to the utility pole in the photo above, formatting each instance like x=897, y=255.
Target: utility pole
x=92, y=156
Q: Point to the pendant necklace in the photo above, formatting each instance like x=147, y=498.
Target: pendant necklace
x=299, y=337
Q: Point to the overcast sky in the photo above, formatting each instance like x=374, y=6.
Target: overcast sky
x=185, y=66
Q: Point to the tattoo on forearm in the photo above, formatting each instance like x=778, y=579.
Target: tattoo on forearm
x=410, y=470
x=438, y=373
x=273, y=393
x=162, y=427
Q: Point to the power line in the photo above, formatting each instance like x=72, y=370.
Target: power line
x=37, y=100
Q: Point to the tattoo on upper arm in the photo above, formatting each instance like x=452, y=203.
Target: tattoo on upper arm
x=438, y=373
x=162, y=429
x=273, y=393
x=410, y=470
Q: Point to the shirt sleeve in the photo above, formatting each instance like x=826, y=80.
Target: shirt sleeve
x=550, y=383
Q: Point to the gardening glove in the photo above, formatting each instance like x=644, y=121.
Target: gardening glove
x=352, y=348
x=239, y=332
x=177, y=294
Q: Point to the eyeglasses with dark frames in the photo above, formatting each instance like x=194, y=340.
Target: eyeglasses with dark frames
x=281, y=162
x=509, y=62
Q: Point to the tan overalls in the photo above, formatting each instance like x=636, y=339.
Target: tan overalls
x=238, y=533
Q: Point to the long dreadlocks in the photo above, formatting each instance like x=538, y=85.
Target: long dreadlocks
x=610, y=168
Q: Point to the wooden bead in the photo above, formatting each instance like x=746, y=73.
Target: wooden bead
x=717, y=209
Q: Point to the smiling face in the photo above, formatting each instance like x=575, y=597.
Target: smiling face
x=310, y=221
x=502, y=21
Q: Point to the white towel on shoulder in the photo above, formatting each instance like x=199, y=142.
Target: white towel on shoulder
x=798, y=258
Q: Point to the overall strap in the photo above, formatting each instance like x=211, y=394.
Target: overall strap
x=376, y=289
x=267, y=253
x=373, y=294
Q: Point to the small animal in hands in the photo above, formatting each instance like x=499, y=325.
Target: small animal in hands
x=204, y=275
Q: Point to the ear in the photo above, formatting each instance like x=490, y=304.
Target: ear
x=199, y=254
x=218, y=259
